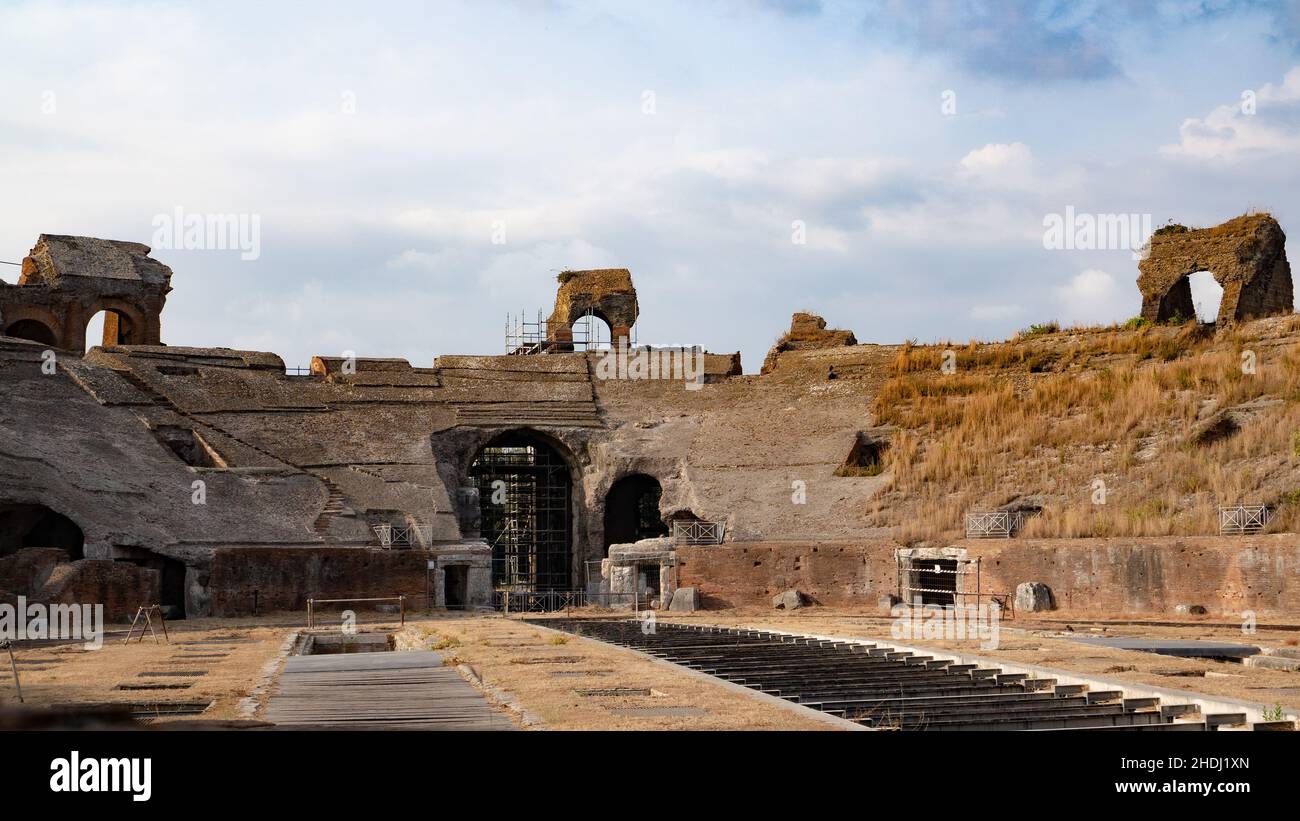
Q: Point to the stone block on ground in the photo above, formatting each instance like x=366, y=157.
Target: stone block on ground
x=685, y=600
x=788, y=600
x=1033, y=597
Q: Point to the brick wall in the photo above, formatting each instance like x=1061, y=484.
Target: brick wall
x=120, y=587
x=284, y=578
x=1103, y=576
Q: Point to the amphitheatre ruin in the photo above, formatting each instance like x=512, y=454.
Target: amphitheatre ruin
x=535, y=511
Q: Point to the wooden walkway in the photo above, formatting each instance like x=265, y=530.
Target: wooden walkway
x=372, y=691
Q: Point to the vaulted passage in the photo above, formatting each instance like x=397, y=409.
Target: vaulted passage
x=32, y=330
x=632, y=511
x=525, y=488
x=27, y=525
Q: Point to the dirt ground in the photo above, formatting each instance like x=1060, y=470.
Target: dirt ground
x=226, y=655
x=540, y=674
x=546, y=672
x=1040, y=642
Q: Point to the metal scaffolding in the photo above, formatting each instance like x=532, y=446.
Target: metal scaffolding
x=529, y=336
x=524, y=500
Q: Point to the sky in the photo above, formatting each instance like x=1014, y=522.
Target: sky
x=417, y=171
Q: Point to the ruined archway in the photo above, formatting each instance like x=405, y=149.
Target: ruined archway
x=111, y=326
x=632, y=510
x=1207, y=295
x=1247, y=256
x=35, y=525
x=605, y=292
x=33, y=330
x=525, y=489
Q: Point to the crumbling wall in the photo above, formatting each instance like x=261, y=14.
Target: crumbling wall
x=807, y=332
x=120, y=587
x=1246, y=255
x=1103, y=576
x=268, y=579
x=66, y=280
x=606, y=292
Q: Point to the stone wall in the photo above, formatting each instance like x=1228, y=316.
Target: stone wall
x=120, y=587
x=1247, y=256
x=45, y=575
x=284, y=578
x=1099, y=576
x=807, y=332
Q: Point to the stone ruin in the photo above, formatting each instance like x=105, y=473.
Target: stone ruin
x=66, y=280
x=605, y=293
x=1246, y=255
x=372, y=477
x=807, y=332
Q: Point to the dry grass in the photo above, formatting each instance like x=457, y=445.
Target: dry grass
x=79, y=676
x=1052, y=414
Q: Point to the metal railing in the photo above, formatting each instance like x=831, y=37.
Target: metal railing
x=993, y=524
x=547, y=601
x=1242, y=520
x=391, y=536
x=311, y=606
x=699, y=532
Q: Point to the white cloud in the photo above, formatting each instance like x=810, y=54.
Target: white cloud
x=1093, y=296
x=1231, y=132
x=1000, y=164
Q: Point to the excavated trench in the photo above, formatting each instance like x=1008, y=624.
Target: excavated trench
x=884, y=688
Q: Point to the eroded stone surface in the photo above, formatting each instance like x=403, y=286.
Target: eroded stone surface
x=1246, y=255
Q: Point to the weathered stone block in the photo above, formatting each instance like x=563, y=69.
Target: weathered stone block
x=1032, y=597
x=1247, y=256
x=685, y=600
x=789, y=600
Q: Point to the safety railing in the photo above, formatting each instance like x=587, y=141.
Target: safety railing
x=391, y=536
x=696, y=532
x=1242, y=520
x=993, y=524
x=312, y=603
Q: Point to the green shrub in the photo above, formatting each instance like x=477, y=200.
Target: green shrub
x=1042, y=328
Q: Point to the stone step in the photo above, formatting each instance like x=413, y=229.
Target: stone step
x=1272, y=663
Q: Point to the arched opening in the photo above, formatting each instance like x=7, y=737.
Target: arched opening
x=109, y=327
x=632, y=511
x=1207, y=294
x=525, y=490
x=28, y=525
x=171, y=576
x=32, y=329
x=592, y=332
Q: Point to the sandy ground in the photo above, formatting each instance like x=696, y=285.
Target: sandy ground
x=545, y=673
x=1040, y=642
x=541, y=674
x=229, y=657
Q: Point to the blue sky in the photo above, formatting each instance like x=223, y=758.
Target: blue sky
x=380, y=148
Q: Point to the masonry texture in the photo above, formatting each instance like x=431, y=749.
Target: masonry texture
x=1246, y=255
x=213, y=480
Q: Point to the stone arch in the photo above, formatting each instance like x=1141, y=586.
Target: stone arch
x=124, y=323
x=632, y=510
x=33, y=330
x=1247, y=256
x=36, y=525
x=34, y=322
x=605, y=292
x=530, y=520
